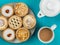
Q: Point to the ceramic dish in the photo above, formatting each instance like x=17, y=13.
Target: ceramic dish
x=31, y=30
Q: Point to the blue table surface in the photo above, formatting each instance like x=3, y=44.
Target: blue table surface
x=45, y=21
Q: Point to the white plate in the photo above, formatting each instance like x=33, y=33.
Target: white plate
x=31, y=31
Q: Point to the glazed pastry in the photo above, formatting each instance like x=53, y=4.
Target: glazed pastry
x=3, y=23
x=22, y=34
x=15, y=22
x=8, y=34
x=7, y=10
x=29, y=21
x=21, y=9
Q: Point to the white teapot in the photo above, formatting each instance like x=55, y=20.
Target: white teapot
x=49, y=8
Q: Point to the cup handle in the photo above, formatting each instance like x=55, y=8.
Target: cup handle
x=53, y=27
x=40, y=14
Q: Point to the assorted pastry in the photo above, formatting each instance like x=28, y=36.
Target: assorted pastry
x=21, y=9
x=29, y=21
x=7, y=10
x=3, y=23
x=8, y=34
x=16, y=22
x=22, y=34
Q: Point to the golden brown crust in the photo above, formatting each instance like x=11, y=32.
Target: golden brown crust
x=22, y=34
x=21, y=9
x=15, y=22
x=29, y=21
x=5, y=23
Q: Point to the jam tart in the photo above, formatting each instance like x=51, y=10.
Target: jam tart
x=7, y=10
x=15, y=22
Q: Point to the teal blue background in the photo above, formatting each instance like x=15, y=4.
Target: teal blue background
x=45, y=21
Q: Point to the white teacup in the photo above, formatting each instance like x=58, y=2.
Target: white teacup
x=52, y=29
x=49, y=8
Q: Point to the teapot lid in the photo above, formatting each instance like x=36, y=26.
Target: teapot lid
x=50, y=8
